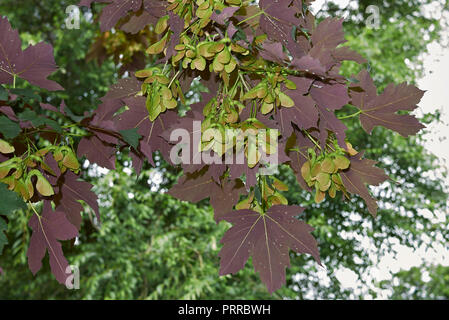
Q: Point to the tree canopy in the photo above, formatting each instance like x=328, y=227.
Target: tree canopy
x=153, y=246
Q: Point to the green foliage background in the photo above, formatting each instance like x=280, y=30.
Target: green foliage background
x=151, y=246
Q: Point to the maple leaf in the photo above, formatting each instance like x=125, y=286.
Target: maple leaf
x=201, y=185
x=71, y=191
x=267, y=238
x=124, y=88
x=332, y=96
x=176, y=25
x=10, y=201
x=304, y=114
x=361, y=172
x=380, y=110
x=48, y=229
x=100, y=147
x=97, y=151
x=309, y=64
x=224, y=15
x=273, y=51
x=34, y=64
x=136, y=117
x=277, y=22
x=116, y=10
x=325, y=39
x=329, y=122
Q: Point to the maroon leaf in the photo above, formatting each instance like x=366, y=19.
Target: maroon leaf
x=176, y=25
x=202, y=185
x=228, y=195
x=329, y=122
x=116, y=10
x=267, y=238
x=325, y=39
x=34, y=64
x=137, y=117
x=331, y=96
x=278, y=23
x=381, y=110
x=71, y=191
x=125, y=88
x=309, y=64
x=344, y=53
x=273, y=51
x=304, y=114
x=97, y=151
x=361, y=172
x=224, y=15
x=47, y=230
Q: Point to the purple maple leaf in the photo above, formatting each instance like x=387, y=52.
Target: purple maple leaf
x=48, y=229
x=34, y=64
x=267, y=238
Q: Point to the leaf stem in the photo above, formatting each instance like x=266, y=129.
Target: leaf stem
x=252, y=17
x=351, y=115
x=312, y=139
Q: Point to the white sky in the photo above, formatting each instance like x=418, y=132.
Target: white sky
x=436, y=82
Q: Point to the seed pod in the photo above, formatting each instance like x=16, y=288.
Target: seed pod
x=319, y=196
x=316, y=169
x=199, y=63
x=161, y=25
x=328, y=166
x=262, y=91
x=337, y=179
x=266, y=108
x=4, y=171
x=22, y=189
x=204, y=49
x=224, y=57
x=5, y=147
x=178, y=57
x=290, y=84
x=216, y=47
x=351, y=150
x=159, y=46
x=171, y=104
x=190, y=54
x=279, y=185
x=285, y=100
x=44, y=187
x=324, y=181
x=70, y=161
x=341, y=162
x=217, y=66
x=231, y=66
x=237, y=48
x=332, y=191
x=166, y=93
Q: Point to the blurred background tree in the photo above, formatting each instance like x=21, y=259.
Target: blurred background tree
x=151, y=246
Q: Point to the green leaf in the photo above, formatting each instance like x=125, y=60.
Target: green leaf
x=3, y=239
x=10, y=201
x=26, y=94
x=37, y=121
x=3, y=94
x=8, y=128
x=131, y=136
x=30, y=115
